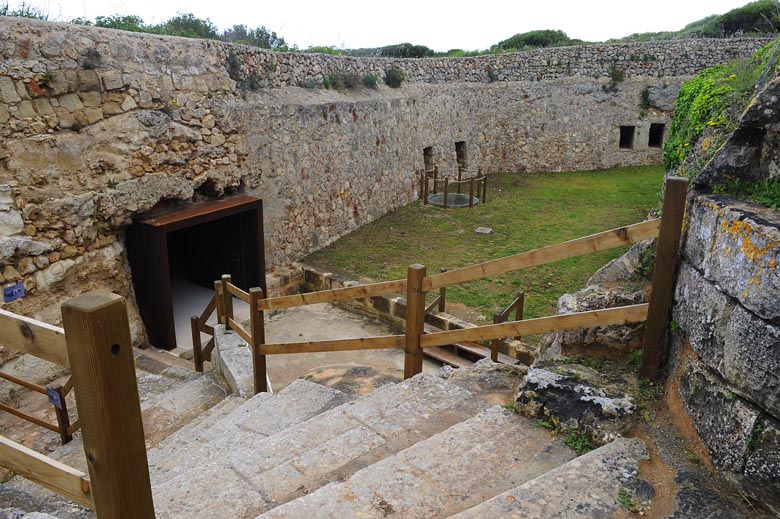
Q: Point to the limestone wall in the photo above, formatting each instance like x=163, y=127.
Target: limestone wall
x=726, y=330
x=99, y=126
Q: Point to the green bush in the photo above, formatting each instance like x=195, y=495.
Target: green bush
x=334, y=80
x=394, y=77
x=370, y=80
x=351, y=80
x=406, y=50
x=543, y=38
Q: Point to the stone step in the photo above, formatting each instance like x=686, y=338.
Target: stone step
x=588, y=486
x=243, y=428
x=243, y=483
x=15, y=504
x=15, y=513
x=463, y=466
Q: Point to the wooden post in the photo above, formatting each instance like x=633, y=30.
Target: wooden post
x=519, y=309
x=61, y=411
x=100, y=350
x=442, y=295
x=664, y=274
x=446, y=190
x=218, y=302
x=415, y=319
x=471, y=192
x=435, y=179
x=197, y=346
x=484, y=189
x=494, y=343
x=460, y=175
x=227, y=300
x=425, y=189
x=257, y=325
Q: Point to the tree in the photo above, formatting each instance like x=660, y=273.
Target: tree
x=124, y=23
x=188, y=26
x=260, y=37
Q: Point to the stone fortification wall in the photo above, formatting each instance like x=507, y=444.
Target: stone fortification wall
x=726, y=329
x=98, y=127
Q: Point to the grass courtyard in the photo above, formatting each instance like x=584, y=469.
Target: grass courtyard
x=525, y=211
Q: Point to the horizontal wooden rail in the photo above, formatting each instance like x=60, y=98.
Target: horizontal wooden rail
x=337, y=294
x=207, y=313
x=233, y=289
x=24, y=383
x=37, y=421
x=557, y=323
x=57, y=477
x=39, y=339
x=363, y=343
x=569, y=249
x=236, y=327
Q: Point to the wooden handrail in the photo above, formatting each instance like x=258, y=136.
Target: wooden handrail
x=362, y=343
x=330, y=296
x=33, y=337
x=609, y=316
x=24, y=383
x=47, y=472
x=204, y=316
x=559, y=251
x=233, y=289
x=20, y=414
x=236, y=327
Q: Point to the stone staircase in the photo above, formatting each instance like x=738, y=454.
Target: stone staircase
x=437, y=445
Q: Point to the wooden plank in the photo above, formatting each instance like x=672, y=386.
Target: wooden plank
x=362, y=343
x=236, y=327
x=415, y=320
x=47, y=472
x=484, y=352
x=436, y=302
x=24, y=383
x=233, y=289
x=201, y=212
x=37, y=421
x=204, y=316
x=39, y=339
x=101, y=354
x=63, y=419
x=608, y=316
x=664, y=276
x=207, y=329
x=197, y=345
x=569, y=249
x=447, y=357
x=227, y=300
x=337, y=294
x=257, y=325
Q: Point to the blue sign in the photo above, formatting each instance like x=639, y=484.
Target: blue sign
x=54, y=397
x=14, y=292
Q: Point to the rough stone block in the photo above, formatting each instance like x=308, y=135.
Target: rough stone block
x=112, y=80
x=724, y=421
x=751, y=358
x=10, y=223
x=88, y=80
x=702, y=312
x=762, y=471
x=91, y=99
x=8, y=90
x=702, y=225
x=43, y=106
x=27, y=110
x=93, y=115
x=4, y=114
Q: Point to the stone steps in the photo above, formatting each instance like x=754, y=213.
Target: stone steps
x=463, y=466
x=588, y=486
x=242, y=483
x=243, y=428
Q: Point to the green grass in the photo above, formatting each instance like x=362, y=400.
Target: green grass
x=526, y=211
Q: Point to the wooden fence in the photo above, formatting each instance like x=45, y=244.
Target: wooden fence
x=477, y=185
x=667, y=229
x=95, y=343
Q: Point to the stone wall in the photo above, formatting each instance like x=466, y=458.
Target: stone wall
x=98, y=127
x=726, y=329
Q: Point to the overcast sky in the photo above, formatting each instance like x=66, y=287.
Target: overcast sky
x=469, y=25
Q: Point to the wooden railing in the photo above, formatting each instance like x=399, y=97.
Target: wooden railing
x=418, y=283
x=477, y=185
x=17, y=332
x=198, y=325
x=516, y=306
x=95, y=343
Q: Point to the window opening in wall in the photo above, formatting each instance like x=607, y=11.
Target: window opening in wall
x=627, y=137
x=428, y=158
x=656, y=138
x=460, y=154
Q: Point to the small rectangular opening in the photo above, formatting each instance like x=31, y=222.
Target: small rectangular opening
x=656, y=138
x=461, y=155
x=627, y=137
x=428, y=158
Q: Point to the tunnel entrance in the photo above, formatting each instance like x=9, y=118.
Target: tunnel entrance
x=176, y=256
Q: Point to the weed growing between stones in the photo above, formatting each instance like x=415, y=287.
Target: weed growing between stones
x=626, y=502
x=370, y=80
x=579, y=443
x=763, y=192
x=91, y=59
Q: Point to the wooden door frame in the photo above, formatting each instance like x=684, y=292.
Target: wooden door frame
x=147, y=248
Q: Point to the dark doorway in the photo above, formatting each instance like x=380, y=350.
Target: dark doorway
x=428, y=158
x=196, y=245
x=461, y=155
x=656, y=138
x=627, y=137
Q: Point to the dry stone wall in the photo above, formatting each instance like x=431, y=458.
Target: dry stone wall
x=99, y=126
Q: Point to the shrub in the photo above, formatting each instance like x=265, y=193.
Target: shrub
x=351, y=80
x=334, y=81
x=394, y=77
x=544, y=38
x=370, y=80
